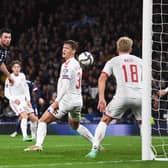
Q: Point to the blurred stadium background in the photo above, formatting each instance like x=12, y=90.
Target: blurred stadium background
x=39, y=28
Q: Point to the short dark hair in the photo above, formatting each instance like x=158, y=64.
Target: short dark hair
x=72, y=43
x=16, y=62
x=5, y=30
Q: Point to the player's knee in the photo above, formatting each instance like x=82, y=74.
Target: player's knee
x=106, y=119
x=46, y=117
x=32, y=117
x=45, y=120
x=23, y=115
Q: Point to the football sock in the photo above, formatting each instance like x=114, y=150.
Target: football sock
x=23, y=126
x=84, y=132
x=33, y=129
x=99, y=134
x=41, y=133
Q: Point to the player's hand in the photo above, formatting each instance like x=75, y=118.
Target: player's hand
x=41, y=101
x=155, y=101
x=17, y=101
x=162, y=93
x=11, y=80
x=55, y=105
x=102, y=105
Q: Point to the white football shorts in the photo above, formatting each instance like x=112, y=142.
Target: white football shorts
x=118, y=106
x=22, y=107
x=74, y=112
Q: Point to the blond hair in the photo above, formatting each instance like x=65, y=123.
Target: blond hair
x=124, y=44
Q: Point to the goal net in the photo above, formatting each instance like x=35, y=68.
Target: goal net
x=160, y=78
x=155, y=79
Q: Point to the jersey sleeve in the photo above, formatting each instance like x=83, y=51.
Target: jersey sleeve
x=63, y=82
x=1, y=60
x=7, y=91
x=66, y=73
x=26, y=88
x=108, y=68
x=1, y=57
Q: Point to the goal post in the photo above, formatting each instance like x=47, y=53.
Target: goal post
x=155, y=80
x=147, y=76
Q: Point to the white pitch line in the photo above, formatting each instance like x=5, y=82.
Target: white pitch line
x=70, y=145
x=77, y=145
x=69, y=164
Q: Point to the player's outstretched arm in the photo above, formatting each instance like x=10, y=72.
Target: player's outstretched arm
x=102, y=105
x=101, y=87
x=4, y=69
x=155, y=100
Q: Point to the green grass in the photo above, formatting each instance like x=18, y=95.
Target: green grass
x=70, y=151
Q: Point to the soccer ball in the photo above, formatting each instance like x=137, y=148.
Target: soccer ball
x=86, y=58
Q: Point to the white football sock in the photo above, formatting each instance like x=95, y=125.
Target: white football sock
x=23, y=126
x=41, y=133
x=84, y=132
x=99, y=134
x=33, y=129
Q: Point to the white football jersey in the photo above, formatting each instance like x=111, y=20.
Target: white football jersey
x=71, y=70
x=19, y=90
x=127, y=70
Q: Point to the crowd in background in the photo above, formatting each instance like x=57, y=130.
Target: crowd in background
x=40, y=27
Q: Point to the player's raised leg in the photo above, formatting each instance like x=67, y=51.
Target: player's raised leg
x=84, y=132
x=46, y=118
x=74, y=121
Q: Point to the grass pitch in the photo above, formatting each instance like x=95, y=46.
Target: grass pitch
x=70, y=151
